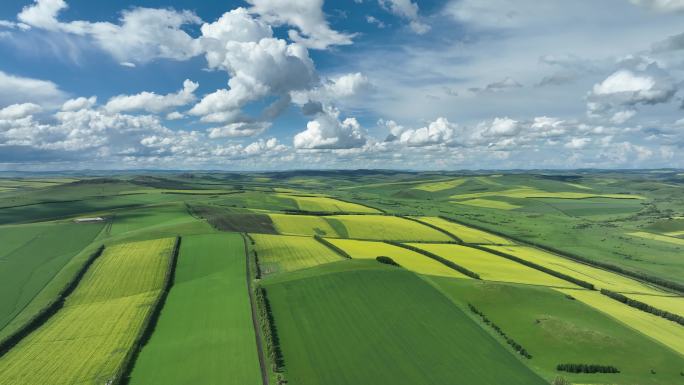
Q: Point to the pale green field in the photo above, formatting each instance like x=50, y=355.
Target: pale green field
x=527, y=192
x=658, y=237
x=465, y=233
x=279, y=253
x=408, y=259
x=490, y=204
x=86, y=341
x=675, y=233
x=388, y=228
x=439, y=186
x=302, y=225
x=325, y=204
x=492, y=267
x=600, y=278
x=672, y=304
x=666, y=332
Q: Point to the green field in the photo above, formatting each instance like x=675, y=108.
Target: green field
x=31, y=256
x=302, y=225
x=205, y=333
x=489, y=203
x=279, y=253
x=556, y=329
x=364, y=333
x=86, y=341
x=326, y=204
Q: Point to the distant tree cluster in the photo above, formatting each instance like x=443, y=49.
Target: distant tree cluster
x=437, y=258
x=644, y=307
x=516, y=346
x=269, y=329
x=586, y=368
x=387, y=261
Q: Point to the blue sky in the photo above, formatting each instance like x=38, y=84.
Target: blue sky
x=282, y=84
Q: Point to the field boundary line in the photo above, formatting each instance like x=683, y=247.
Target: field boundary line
x=642, y=277
x=451, y=235
x=535, y=266
x=123, y=375
x=643, y=306
x=437, y=258
x=255, y=318
x=51, y=308
x=332, y=247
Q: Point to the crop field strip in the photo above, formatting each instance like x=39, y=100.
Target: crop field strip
x=389, y=228
x=204, y=334
x=361, y=322
x=535, y=193
x=89, y=339
x=439, y=186
x=307, y=225
x=280, y=253
x=658, y=237
x=489, y=203
x=408, y=259
x=600, y=278
x=492, y=267
x=465, y=233
x=327, y=204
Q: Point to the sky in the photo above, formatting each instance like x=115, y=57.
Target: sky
x=344, y=84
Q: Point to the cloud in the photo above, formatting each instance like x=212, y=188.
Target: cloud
x=577, y=143
x=151, y=102
x=19, y=111
x=672, y=43
x=18, y=89
x=661, y=5
x=438, y=132
x=649, y=85
x=240, y=129
x=408, y=10
x=174, y=115
x=313, y=30
x=142, y=35
x=79, y=103
x=374, y=20
x=326, y=131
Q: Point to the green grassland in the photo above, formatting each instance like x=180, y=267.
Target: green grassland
x=279, y=253
x=383, y=326
x=556, y=329
x=87, y=340
x=31, y=255
x=204, y=334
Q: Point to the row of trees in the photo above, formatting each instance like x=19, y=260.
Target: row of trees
x=516, y=346
x=644, y=307
x=586, y=368
x=437, y=258
x=541, y=268
x=334, y=248
x=269, y=330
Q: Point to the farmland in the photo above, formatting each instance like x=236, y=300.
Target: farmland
x=204, y=334
x=361, y=277
x=89, y=338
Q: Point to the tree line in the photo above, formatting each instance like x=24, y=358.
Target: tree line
x=643, y=306
x=387, y=261
x=437, y=258
x=535, y=266
x=269, y=330
x=516, y=346
x=586, y=368
x=334, y=248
